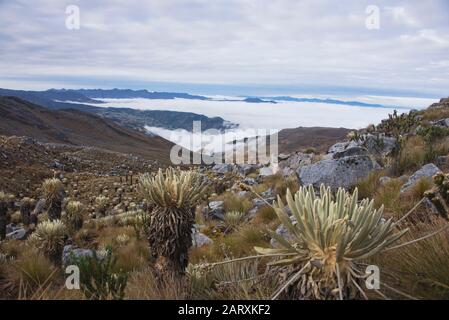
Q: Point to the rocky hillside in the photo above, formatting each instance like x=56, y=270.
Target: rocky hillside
x=22, y=118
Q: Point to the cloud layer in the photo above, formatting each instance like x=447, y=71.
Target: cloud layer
x=279, y=43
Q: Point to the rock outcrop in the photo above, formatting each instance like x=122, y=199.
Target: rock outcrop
x=426, y=171
x=335, y=173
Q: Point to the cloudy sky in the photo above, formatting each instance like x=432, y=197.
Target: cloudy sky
x=228, y=46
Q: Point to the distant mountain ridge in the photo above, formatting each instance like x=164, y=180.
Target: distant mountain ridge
x=327, y=101
x=131, y=118
x=131, y=94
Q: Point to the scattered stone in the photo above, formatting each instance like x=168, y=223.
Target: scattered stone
x=249, y=181
x=266, y=171
x=284, y=233
x=426, y=171
x=246, y=169
x=199, y=239
x=222, y=168
x=353, y=151
x=216, y=209
x=18, y=234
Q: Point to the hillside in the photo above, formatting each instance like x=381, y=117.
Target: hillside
x=22, y=118
x=302, y=138
x=131, y=118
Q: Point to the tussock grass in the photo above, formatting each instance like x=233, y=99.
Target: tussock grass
x=232, y=202
x=421, y=268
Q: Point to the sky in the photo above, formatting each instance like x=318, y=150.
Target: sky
x=232, y=47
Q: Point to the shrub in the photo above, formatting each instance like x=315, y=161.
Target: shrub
x=74, y=215
x=31, y=270
x=54, y=194
x=233, y=219
x=97, y=279
x=102, y=203
x=423, y=265
x=329, y=240
x=49, y=237
x=232, y=202
x=174, y=195
x=266, y=214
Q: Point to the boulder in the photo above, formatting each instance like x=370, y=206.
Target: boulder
x=442, y=122
x=338, y=147
x=352, y=151
x=379, y=144
x=199, y=239
x=216, y=209
x=69, y=253
x=426, y=171
x=296, y=160
x=335, y=173
x=245, y=169
x=266, y=171
x=222, y=168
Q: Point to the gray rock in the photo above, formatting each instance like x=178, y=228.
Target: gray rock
x=249, y=181
x=442, y=160
x=257, y=202
x=442, y=122
x=338, y=147
x=242, y=193
x=216, y=209
x=296, y=160
x=18, y=234
x=283, y=156
x=268, y=193
x=352, y=151
x=199, y=239
x=284, y=233
x=379, y=144
x=70, y=253
x=426, y=171
x=222, y=168
x=287, y=171
x=246, y=169
x=337, y=173
x=266, y=171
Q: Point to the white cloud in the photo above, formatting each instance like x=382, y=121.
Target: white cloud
x=294, y=43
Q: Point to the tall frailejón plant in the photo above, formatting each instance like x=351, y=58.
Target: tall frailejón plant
x=173, y=196
x=329, y=239
x=54, y=194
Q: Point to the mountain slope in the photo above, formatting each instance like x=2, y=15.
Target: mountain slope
x=302, y=138
x=131, y=118
x=19, y=117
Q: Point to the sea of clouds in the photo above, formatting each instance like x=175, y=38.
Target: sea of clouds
x=269, y=116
